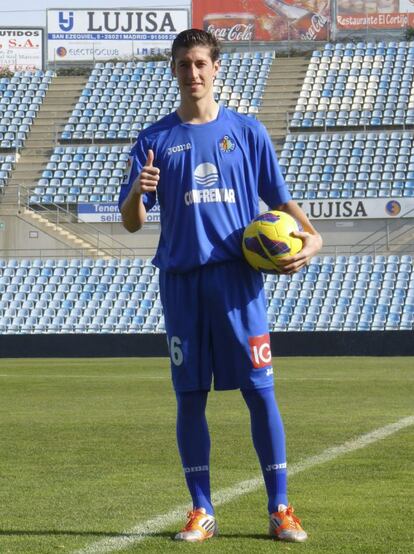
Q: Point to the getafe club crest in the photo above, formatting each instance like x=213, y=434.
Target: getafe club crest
x=227, y=144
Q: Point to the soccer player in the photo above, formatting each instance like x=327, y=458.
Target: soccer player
x=208, y=166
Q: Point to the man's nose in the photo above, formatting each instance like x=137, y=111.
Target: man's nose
x=193, y=70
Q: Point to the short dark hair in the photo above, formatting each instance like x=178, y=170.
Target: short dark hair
x=196, y=37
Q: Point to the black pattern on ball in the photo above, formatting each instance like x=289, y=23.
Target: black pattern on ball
x=253, y=245
x=274, y=247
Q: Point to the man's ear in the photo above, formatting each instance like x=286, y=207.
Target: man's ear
x=216, y=67
x=173, y=67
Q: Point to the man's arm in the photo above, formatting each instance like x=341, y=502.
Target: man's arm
x=312, y=240
x=133, y=211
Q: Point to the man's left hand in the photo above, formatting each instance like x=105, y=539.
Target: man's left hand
x=311, y=245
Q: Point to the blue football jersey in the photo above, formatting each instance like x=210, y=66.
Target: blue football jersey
x=211, y=178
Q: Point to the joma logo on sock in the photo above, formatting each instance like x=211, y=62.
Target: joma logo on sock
x=195, y=469
x=275, y=467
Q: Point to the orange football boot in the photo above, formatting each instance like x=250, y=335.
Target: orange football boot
x=285, y=526
x=200, y=526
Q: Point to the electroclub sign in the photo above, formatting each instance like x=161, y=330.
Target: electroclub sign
x=92, y=34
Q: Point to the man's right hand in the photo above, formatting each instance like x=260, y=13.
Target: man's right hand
x=147, y=180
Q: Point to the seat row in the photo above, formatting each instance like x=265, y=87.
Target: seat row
x=362, y=86
x=20, y=98
x=349, y=165
x=7, y=164
x=82, y=174
x=120, y=100
x=122, y=295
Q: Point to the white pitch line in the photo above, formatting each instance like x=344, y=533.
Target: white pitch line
x=152, y=526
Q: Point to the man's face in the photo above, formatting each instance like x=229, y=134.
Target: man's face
x=195, y=72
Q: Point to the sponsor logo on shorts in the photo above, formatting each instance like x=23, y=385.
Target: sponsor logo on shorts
x=260, y=352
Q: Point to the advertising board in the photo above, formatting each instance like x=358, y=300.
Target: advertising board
x=21, y=48
x=96, y=34
x=263, y=20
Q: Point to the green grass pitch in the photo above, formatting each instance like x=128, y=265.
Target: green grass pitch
x=87, y=451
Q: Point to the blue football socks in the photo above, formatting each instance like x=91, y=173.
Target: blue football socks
x=269, y=441
x=194, y=446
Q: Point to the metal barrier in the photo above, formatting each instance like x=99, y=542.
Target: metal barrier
x=65, y=218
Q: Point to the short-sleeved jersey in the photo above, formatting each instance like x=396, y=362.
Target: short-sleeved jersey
x=211, y=178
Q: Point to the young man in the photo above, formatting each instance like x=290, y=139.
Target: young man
x=208, y=166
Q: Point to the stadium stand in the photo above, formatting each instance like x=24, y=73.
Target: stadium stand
x=118, y=101
x=357, y=85
x=349, y=165
x=345, y=87
x=122, y=98
x=20, y=98
x=82, y=173
x=7, y=164
x=365, y=293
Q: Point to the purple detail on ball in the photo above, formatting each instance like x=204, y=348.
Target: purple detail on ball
x=253, y=245
x=274, y=247
x=267, y=216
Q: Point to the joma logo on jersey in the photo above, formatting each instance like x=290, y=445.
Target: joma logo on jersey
x=260, y=352
x=179, y=148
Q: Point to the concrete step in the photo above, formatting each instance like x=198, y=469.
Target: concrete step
x=45, y=123
x=282, y=86
x=56, y=230
x=39, y=143
x=50, y=112
x=70, y=79
x=291, y=60
x=26, y=178
x=57, y=97
x=35, y=153
x=282, y=91
x=277, y=107
x=42, y=131
x=69, y=86
x=26, y=167
x=45, y=132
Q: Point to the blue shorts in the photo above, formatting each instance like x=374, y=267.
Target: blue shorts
x=216, y=323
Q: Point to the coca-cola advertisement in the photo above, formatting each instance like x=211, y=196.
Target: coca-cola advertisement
x=374, y=14
x=263, y=20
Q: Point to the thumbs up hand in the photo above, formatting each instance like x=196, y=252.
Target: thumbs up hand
x=150, y=158
x=147, y=180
